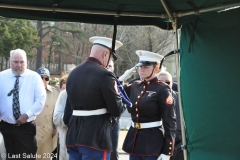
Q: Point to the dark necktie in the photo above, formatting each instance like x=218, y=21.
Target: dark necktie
x=15, y=104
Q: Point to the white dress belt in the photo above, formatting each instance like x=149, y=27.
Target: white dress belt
x=146, y=125
x=89, y=112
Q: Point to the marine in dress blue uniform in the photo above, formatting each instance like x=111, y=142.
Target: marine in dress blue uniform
x=93, y=100
x=152, y=133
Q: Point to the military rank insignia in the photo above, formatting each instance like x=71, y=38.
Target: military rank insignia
x=169, y=99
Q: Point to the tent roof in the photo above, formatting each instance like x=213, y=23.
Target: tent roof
x=130, y=12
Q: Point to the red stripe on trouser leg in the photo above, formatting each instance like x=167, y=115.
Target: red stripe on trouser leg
x=104, y=155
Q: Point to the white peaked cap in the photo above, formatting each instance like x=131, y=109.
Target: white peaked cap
x=147, y=58
x=104, y=41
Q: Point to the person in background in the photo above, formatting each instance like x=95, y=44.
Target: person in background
x=115, y=127
x=175, y=86
x=166, y=77
x=151, y=113
x=46, y=130
x=62, y=82
x=58, y=118
x=22, y=98
x=93, y=99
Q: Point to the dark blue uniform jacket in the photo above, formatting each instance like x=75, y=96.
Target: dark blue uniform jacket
x=152, y=101
x=89, y=87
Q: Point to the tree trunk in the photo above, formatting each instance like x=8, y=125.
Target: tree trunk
x=60, y=63
x=2, y=63
x=49, y=56
x=39, y=49
x=6, y=64
x=150, y=39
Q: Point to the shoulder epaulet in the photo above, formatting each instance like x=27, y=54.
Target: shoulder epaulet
x=54, y=88
x=51, y=88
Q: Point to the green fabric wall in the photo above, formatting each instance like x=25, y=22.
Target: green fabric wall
x=210, y=86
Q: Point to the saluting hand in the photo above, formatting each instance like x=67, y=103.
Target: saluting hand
x=127, y=74
x=22, y=119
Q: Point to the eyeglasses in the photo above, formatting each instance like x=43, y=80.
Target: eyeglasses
x=46, y=78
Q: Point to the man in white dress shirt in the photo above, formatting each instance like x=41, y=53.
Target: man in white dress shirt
x=22, y=97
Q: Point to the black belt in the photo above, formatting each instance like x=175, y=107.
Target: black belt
x=15, y=125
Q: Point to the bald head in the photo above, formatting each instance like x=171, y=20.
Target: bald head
x=101, y=53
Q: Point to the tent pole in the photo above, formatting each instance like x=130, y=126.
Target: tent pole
x=177, y=55
x=81, y=11
x=122, y=14
x=209, y=9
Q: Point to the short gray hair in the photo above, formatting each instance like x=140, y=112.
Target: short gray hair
x=22, y=52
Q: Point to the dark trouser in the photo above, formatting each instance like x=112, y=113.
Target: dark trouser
x=178, y=152
x=115, y=136
x=86, y=153
x=177, y=155
x=131, y=157
x=20, y=142
x=54, y=153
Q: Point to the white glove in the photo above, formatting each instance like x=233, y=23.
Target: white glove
x=127, y=74
x=163, y=157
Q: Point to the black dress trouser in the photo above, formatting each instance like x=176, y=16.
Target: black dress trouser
x=178, y=152
x=115, y=137
x=20, y=141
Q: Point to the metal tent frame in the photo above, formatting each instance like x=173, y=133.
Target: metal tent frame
x=170, y=15
x=173, y=16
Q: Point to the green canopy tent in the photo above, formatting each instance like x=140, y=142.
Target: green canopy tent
x=209, y=46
